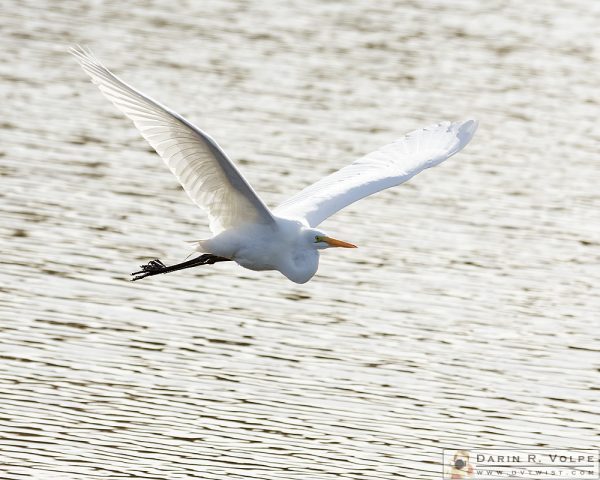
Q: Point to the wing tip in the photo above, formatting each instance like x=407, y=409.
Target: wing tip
x=465, y=130
x=469, y=124
x=84, y=55
x=77, y=50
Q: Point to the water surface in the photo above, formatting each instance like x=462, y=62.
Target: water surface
x=467, y=317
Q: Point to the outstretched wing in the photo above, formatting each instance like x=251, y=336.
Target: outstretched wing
x=210, y=179
x=387, y=167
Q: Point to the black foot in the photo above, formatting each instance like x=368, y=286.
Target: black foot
x=156, y=266
x=153, y=267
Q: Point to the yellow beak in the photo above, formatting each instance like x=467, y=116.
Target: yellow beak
x=338, y=243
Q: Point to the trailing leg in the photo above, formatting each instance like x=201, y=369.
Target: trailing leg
x=156, y=266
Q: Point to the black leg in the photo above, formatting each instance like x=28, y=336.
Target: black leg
x=156, y=266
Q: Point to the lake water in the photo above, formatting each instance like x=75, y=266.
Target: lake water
x=467, y=318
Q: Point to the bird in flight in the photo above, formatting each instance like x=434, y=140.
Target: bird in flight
x=244, y=229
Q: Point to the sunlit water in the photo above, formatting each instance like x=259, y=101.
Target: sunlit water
x=467, y=317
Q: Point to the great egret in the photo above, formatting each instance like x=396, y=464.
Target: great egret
x=244, y=229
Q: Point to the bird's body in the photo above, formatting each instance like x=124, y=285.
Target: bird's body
x=282, y=246
x=244, y=229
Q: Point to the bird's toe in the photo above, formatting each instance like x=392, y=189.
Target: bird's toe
x=155, y=265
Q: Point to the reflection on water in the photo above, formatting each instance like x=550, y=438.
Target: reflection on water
x=468, y=317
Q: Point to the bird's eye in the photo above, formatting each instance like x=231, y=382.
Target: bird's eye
x=317, y=239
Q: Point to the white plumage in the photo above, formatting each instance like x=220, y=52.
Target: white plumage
x=244, y=229
x=386, y=167
x=210, y=179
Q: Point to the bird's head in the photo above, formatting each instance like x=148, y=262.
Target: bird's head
x=320, y=240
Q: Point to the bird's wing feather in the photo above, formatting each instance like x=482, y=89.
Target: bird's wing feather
x=386, y=167
x=210, y=179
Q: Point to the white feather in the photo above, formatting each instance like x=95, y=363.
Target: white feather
x=210, y=179
x=386, y=167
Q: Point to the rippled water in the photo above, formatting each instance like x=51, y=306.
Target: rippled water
x=468, y=317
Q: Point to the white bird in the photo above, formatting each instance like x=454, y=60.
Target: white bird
x=244, y=229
